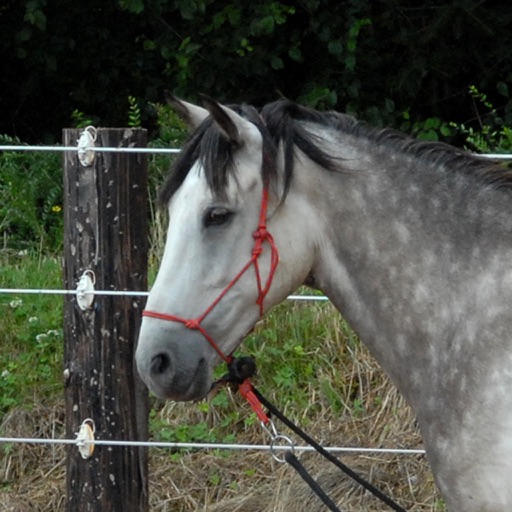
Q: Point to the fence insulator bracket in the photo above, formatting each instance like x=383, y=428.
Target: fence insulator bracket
x=85, y=289
x=85, y=438
x=85, y=146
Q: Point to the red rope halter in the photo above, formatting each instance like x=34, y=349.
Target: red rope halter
x=260, y=236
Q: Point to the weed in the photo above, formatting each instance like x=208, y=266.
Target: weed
x=30, y=332
x=493, y=136
x=81, y=120
x=134, y=112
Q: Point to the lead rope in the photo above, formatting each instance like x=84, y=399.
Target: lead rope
x=240, y=370
x=343, y=467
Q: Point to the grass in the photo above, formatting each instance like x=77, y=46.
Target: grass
x=313, y=367
x=310, y=364
x=30, y=332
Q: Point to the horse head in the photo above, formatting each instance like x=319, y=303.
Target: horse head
x=219, y=270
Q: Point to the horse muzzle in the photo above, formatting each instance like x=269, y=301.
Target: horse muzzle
x=174, y=371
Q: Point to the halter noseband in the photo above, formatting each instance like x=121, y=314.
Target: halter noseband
x=260, y=236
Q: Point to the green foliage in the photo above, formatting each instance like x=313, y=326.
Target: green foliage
x=282, y=353
x=374, y=59
x=30, y=332
x=134, y=6
x=493, y=135
x=81, y=120
x=172, y=132
x=433, y=128
x=134, y=113
x=31, y=216
x=30, y=198
x=201, y=431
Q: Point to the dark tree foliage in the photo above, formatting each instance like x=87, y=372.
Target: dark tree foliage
x=375, y=58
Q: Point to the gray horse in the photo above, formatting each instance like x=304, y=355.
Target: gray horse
x=411, y=241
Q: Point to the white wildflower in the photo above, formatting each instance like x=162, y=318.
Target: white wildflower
x=41, y=337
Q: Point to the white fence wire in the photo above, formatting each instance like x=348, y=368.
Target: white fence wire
x=491, y=156
x=63, y=149
x=206, y=446
x=173, y=445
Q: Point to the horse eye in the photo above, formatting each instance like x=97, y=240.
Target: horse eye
x=216, y=216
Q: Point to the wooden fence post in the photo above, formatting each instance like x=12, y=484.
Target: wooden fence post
x=106, y=231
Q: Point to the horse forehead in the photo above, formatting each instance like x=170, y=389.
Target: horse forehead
x=196, y=192
x=247, y=162
x=193, y=191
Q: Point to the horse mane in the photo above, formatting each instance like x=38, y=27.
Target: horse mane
x=280, y=119
x=283, y=124
x=210, y=147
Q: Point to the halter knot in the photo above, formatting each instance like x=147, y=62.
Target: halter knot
x=240, y=369
x=192, y=324
x=261, y=233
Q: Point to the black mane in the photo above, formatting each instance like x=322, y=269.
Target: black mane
x=210, y=147
x=282, y=124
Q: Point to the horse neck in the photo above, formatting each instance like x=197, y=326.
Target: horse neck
x=403, y=252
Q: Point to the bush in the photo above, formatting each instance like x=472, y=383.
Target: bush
x=31, y=183
x=30, y=199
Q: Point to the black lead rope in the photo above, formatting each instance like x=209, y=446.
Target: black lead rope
x=301, y=470
x=307, y=478
x=244, y=368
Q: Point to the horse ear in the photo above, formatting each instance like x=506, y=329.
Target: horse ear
x=224, y=120
x=192, y=115
x=235, y=128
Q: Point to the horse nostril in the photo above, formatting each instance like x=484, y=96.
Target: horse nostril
x=160, y=363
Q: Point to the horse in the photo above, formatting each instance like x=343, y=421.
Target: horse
x=410, y=240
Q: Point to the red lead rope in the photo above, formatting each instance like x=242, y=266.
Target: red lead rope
x=260, y=236
x=247, y=391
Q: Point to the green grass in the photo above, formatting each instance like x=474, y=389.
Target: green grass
x=310, y=365
x=301, y=367
x=291, y=348
x=294, y=349
x=30, y=331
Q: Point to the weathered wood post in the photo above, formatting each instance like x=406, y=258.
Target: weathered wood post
x=106, y=226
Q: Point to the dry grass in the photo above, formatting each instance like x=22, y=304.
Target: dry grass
x=349, y=403
x=32, y=477
x=254, y=482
